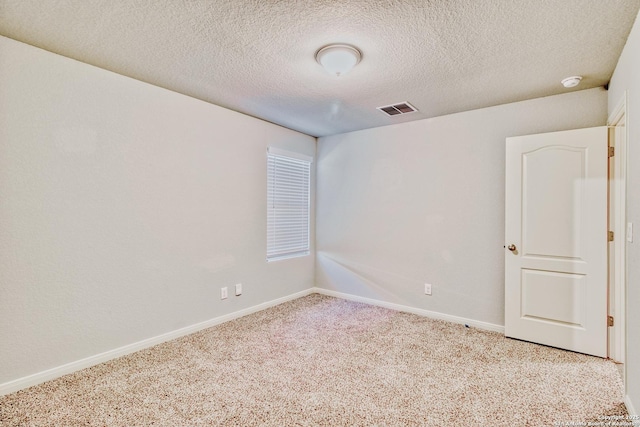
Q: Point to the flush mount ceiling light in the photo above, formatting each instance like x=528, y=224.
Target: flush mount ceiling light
x=338, y=59
x=572, y=81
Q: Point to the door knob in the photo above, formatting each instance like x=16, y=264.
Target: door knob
x=512, y=247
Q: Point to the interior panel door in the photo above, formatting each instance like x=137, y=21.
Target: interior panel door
x=556, y=239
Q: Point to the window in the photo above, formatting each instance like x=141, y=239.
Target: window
x=288, y=204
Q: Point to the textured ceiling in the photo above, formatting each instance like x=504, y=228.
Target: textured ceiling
x=257, y=56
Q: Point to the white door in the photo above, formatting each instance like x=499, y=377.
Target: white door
x=556, y=239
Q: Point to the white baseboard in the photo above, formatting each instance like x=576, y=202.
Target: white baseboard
x=633, y=415
x=419, y=311
x=49, y=374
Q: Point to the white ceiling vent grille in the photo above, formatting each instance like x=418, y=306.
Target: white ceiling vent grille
x=397, y=109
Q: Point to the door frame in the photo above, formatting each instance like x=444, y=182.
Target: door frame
x=618, y=224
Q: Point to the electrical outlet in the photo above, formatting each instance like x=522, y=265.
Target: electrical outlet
x=238, y=289
x=427, y=289
x=223, y=293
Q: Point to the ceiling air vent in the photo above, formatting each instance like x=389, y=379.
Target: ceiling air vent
x=397, y=109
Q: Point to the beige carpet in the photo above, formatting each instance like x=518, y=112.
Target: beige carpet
x=328, y=362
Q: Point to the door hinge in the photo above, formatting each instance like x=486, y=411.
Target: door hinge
x=611, y=236
x=609, y=320
x=612, y=151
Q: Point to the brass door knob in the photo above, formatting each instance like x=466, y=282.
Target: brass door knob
x=512, y=247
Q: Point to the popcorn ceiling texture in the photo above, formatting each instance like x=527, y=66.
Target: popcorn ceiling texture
x=257, y=56
x=324, y=361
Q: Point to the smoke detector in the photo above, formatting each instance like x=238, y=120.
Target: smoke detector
x=572, y=81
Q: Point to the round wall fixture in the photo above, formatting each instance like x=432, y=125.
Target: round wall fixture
x=338, y=59
x=572, y=81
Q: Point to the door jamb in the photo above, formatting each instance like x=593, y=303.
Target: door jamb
x=617, y=290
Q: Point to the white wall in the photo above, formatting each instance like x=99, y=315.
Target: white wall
x=124, y=208
x=423, y=202
x=626, y=78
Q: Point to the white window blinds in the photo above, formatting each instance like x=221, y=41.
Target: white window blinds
x=288, y=204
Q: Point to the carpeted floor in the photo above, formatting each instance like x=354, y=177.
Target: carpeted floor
x=321, y=361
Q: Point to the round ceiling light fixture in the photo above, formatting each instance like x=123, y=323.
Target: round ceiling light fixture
x=338, y=59
x=572, y=81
